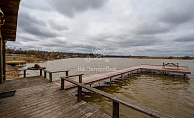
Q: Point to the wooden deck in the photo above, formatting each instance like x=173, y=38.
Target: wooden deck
x=36, y=98
x=101, y=76
x=13, y=63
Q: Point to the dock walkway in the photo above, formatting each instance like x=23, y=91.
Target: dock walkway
x=88, y=79
x=13, y=63
x=36, y=98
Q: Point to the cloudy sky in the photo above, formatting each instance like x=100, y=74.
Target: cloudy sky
x=121, y=27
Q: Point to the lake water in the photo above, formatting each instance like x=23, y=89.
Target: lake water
x=170, y=95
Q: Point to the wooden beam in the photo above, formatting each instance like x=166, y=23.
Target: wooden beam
x=7, y=2
x=1, y=58
x=8, y=31
x=4, y=69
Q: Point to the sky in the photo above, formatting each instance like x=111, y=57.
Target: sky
x=118, y=27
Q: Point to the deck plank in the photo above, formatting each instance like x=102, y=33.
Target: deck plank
x=41, y=100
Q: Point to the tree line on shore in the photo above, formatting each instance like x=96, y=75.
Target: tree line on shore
x=59, y=55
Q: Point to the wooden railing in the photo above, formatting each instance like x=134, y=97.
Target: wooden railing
x=171, y=64
x=45, y=73
x=50, y=74
x=24, y=71
x=115, y=100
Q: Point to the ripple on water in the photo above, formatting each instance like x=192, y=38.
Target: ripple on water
x=173, y=96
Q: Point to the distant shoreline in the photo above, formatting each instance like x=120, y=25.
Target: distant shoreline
x=138, y=57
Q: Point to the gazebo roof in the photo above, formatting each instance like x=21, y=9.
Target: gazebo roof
x=10, y=10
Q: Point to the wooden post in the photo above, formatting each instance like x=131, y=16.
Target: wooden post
x=184, y=75
x=50, y=77
x=80, y=78
x=24, y=73
x=79, y=89
x=67, y=74
x=110, y=81
x=4, y=69
x=79, y=94
x=62, y=84
x=40, y=72
x=115, y=113
x=44, y=74
x=1, y=58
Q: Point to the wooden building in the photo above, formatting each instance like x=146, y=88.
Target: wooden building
x=8, y=26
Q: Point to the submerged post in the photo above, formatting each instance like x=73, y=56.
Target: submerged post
x=115, y=113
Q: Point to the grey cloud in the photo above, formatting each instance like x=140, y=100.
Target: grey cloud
x=185, y=39
x=38, y=32
x=26, y=39
x=123, y=40
x=32, y=25
x=36, y=5
x=151, y=28
x=24, y=19
x=177, y=17
x=143, y=42
x=70, y=7
x=178, y=12
x=56, y=43
x=58, y=26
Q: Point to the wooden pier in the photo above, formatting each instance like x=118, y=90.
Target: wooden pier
x=14, y=63
x=37, y=98
x=89, y=79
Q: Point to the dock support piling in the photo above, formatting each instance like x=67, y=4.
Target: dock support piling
x=44, y=74
x=24, y=73
x=62, y=84
x=50, y=77
x=79, y=89
x=110, y=81
x=115, y=110
x=40, y=72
